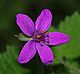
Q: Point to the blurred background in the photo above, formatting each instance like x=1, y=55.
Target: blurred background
x=10, y=46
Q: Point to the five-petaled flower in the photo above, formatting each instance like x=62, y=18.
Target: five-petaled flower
x=40, y=37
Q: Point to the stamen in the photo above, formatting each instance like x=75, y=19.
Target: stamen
x=46, y=32
x=42, y=31
x=41, y=41
x=47, y=40
x=38, y=36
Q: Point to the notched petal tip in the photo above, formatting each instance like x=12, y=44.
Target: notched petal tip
x=19, y=14
x=21, y=61
x=47, y=10
x=48, y=62
x=67, y=38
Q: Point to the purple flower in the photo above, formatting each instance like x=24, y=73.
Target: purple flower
x=40, y=37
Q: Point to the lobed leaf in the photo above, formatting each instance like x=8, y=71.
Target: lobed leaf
x=9, y=64
x=71, y=50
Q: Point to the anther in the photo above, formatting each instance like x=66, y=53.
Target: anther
x=46, y=32
x=42, y=31
x=38, y=36
x=41, y=41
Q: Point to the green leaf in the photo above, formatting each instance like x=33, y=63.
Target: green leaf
x=71, y=50
x=9, y=63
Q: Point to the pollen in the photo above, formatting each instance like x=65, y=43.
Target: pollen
x=41, y=41
x=38, y=36
x=42, y=31
x=46, y=32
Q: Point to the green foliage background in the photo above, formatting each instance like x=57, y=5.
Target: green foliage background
x=66, y=19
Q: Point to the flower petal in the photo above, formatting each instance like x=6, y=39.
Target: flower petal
x=45, y=53
x=27, y=52
x=56, y=38
x=25, y=24
x=43, y=22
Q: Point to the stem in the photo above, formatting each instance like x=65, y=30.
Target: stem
x=49, y=69
x=37, y=64
x=40, y=68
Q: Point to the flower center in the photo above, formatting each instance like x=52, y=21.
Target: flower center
x=38, y=37
x=42, y=37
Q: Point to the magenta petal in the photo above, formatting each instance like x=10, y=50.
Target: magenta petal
x=27, y=52
x=43, y=22
x=25, y=24
x=45, y=53
x=56, y=38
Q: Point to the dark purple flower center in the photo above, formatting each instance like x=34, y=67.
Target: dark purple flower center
x=42, y=37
